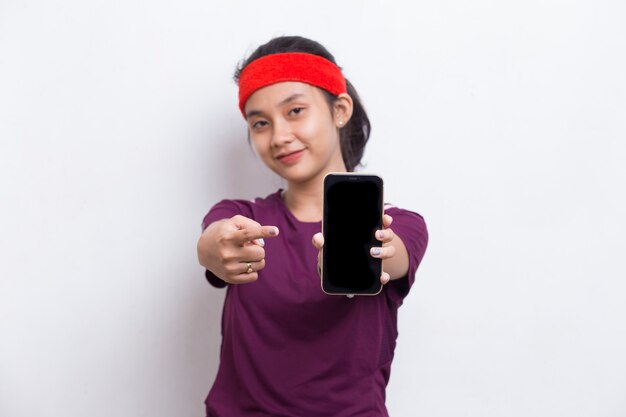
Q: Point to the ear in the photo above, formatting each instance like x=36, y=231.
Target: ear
x=342, y=110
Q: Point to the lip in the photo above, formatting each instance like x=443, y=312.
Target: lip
x=290, y=158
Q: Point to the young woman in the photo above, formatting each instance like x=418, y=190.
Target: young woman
x=289, y=349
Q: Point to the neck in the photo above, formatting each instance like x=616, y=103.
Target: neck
x=306, y=199
x=306, y=203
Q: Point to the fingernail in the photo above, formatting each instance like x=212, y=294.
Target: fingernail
x=273, y=231
x=381, y=234
x=376, y=251
x=261, y=242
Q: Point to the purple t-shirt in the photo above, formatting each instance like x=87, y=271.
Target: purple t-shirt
x=288, y=349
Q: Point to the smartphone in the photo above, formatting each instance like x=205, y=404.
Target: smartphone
x=353, y=211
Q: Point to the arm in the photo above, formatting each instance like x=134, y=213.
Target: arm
x=401, y=255
x=394, y=254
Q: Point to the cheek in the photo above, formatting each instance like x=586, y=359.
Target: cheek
x=329, y=138
x=263, y=148
x=312, y=127
x=258, y=143
x=319, y=132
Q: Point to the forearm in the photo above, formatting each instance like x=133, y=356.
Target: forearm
x=398, y=265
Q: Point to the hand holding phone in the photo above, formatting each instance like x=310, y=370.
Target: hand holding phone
x=353, y=210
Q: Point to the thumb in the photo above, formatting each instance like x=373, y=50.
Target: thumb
x=318, y=241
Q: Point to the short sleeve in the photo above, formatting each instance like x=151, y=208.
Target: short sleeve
x=411, y=228
x=225, y=209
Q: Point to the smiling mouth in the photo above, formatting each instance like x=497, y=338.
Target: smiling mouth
x=290, y=158
x=289, y=154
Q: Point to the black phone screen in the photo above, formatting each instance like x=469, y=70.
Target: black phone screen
x=352, y=213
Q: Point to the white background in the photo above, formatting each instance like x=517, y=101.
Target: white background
x=503, y=123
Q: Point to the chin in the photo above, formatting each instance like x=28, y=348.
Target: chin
x=298, y=174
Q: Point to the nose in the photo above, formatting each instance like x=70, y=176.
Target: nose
x=282, y=133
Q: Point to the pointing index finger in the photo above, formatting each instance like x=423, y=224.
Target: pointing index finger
x=254, y=232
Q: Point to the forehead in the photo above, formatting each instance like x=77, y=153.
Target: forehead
x=273, y=95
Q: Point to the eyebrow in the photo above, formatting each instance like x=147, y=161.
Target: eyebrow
x=282, y=103
x=290, y=99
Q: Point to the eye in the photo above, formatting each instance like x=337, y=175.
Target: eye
x=259, y=124
x=296, y=110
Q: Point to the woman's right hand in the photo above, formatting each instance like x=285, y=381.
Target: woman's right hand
x=233, y=248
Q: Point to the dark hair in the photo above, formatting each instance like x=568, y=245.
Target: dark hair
x=354, y=135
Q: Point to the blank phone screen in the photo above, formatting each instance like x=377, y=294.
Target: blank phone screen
x=352, y=214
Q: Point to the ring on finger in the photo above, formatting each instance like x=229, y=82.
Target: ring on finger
x=249, y=269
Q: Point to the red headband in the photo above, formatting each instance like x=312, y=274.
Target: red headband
x=290, y=66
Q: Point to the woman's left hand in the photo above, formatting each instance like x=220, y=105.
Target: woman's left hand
x=385, y=235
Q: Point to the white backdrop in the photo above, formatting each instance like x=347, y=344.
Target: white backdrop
x=503, y=123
